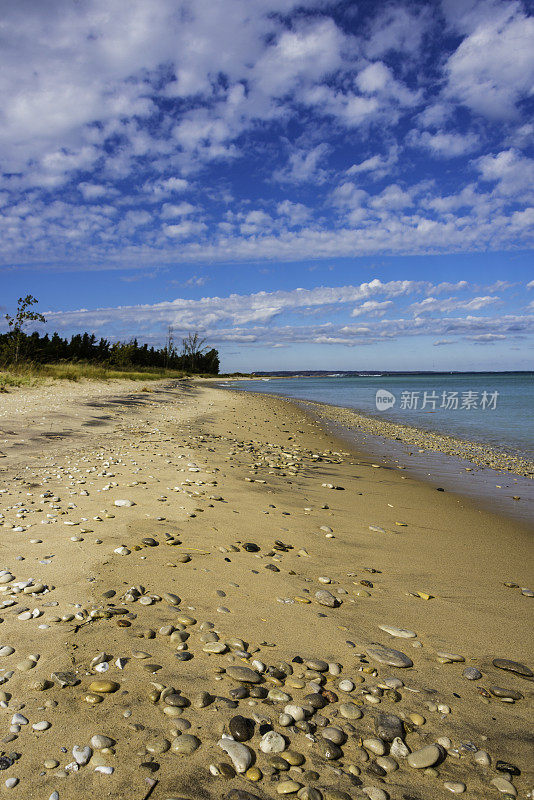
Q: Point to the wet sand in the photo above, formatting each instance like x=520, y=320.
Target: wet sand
x=205, y=471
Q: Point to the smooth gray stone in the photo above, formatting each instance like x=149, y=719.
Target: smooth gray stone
x=82, y=755
x=65, y=678
x=326, y=598
x=472, y=674
x=272, y=742
x=499, y=691
x=242, y=794
x=335, y=735
x=426, y=757
x=185, y=744
x=244, y=674
x=513, y=666
x=389, y=727
x=328, y=750
x=389, y=656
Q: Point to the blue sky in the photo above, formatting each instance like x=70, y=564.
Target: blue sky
x=309, y=184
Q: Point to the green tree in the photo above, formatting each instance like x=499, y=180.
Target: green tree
x=22, y=316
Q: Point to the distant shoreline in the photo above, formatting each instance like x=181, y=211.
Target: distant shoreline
x=483, y=455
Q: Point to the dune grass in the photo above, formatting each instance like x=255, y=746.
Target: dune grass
x=37, y=374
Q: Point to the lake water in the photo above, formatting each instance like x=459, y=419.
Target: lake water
x=492, y=408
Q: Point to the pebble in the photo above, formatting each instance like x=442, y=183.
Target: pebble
x=288, y=787
x=510, y=694
x=511, y=666
x=456, y=787
x=426, y=757
x=272, y=742
x=417, y=719
x=241, y=728
x=472, y=674
x=41, y=726
x=326, y=598
x=388, y=656
x=335, y=735
x=374, y=793
x=503, y=785
x=298, y=713
x=376, y=746
x=82, y=755
x=329, y=750
x=482, y=758
x=104, y=686
x=244, y=674
x=185, y=744
x=401, y=633
x=350, y=711
x=240, y=754
x=446, y=657
x=389, y=727
x=99, y=741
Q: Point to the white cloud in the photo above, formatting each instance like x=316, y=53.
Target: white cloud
x=487, y=338
x=397, y=28
x=513, y=172
x=493, y=67
x=252, y=318
x=445, y=145
x=393, y=197
x=184, y=230
x=303, y=166
x=296, y=213
x=372, y=308
x=170, y=210
x=530, y=285
x=377, y=166
x=431, y=305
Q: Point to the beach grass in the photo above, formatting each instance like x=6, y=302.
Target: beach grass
x=29, y=374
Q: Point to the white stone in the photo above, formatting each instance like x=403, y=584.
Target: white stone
x=400, y=633
x=239, y=753
x=272, y=742
x=41, y=726
x=82, y=754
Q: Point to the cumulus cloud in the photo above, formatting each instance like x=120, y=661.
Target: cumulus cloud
x=244, y=312
x=372, y=308
x=445, y=145
x=283, y=110
x=492, y=70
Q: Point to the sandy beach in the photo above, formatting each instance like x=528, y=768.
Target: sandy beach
x=204, y=594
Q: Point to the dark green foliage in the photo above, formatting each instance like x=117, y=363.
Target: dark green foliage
x=85, y=347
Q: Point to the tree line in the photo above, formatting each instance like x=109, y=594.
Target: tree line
x=17, y=346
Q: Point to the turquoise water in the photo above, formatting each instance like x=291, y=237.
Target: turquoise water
x=504, y=420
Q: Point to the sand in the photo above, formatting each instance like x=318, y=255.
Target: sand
x=194, y=460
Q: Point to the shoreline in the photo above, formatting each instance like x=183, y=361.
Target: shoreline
x=483, y=455
x=481, y=473
x=165, y=593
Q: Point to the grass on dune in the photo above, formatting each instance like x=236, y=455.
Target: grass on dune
x=36, y=374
